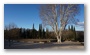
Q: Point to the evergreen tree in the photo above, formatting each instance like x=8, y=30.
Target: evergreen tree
x=27, y=33
x=47, y=32
x=33, y=32
x=33, y=26
x=69, y=27
x=20, y=33
x=43, y=33
x=74, y=33
x=23, y=35
x=74, y=29
x=40, y=30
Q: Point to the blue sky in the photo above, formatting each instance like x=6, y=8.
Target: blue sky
x=24, y=15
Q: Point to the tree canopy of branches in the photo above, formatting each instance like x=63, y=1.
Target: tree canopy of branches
x=58, y=16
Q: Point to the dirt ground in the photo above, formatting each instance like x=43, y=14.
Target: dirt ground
x=51, y=45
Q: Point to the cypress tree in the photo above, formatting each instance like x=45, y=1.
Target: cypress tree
x=20, y=33
x=74, y=29
x=33, y=27
x=33, y=32
x=75, y=33
x=40, y=30
x=71, y=27
x=68, y=27
x=43, y=33
x=46, y=32
x=24, y=36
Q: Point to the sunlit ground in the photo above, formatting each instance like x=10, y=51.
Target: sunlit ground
x=41, y=45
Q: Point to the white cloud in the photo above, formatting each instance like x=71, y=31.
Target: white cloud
x=80, y=23
x=80, y=26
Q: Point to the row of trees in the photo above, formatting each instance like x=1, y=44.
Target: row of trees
x=72, y=35
x=11, y=32
x=69, y=34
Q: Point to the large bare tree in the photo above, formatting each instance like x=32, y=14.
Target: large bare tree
x=58, y=16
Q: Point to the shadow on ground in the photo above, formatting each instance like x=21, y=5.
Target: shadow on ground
x=53, y=45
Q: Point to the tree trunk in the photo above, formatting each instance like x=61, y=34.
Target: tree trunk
x=59, y=39
x=59, y=36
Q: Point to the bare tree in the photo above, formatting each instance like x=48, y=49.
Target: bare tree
x=10, y=32
x=58, y=16
x=10, y=26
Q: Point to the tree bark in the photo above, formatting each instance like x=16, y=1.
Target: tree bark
x=59, y=36
x=59, y=39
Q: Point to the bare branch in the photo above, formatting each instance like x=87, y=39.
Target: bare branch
x=51, y=13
